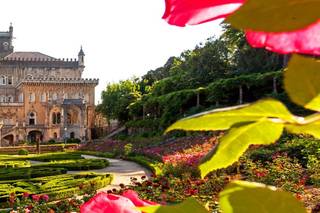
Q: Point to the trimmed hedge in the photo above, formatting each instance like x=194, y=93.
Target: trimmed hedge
x=43, y=148
x=76, y=165
x=13, y=163
x=152, y=165
x=28, y=173
x=97, y=154
x=57, y=187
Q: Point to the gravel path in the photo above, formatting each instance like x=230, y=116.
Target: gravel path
x=120, y=169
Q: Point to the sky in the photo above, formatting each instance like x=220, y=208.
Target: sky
x=121, y=38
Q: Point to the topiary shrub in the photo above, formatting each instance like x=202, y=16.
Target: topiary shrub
x=23, y=152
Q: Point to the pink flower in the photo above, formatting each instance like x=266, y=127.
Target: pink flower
x=111, y=203
x=35, y=198
x=191, y=12
x=45, y=198
x=25, y=194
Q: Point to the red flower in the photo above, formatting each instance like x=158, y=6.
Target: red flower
x=25, y=194
x=111, y=203
x=306, y=41
x=35, y=198
x=45, y=198
x=191, y=12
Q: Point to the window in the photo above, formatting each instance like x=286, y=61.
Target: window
x=5, y=46
x=3, y=80
x=55, y=135
x=2, y=99
x=10, y=80
x=10, y=99
x=56, y=118
x=65, y=96
x=21, y=97
x=32, y=118
x=32, y=97
x=54, y=96
x=43, y=97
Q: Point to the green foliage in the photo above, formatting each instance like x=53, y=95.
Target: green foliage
x=57, y=187
x=305, y=71
x=30, y=172
x=73, y=140
x=128, y=149
x=76, y=165
x=241, y=196
x=236, y=142
x=223, y=119
x=190, y=205
x=23, y=152
x=153, y=165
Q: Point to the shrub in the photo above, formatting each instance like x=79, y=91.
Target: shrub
x=76, y=165
x=23, y=152
x=73, y=140
x=153, y=165
x=27, y=173
x=51, y=141
x=128, y=149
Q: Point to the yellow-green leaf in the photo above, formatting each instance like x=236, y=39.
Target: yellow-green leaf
x=276, y=15
x=223, y=119
x=301, y=81
x=246, y=197
x=190, y=205
x=236, y=142
x=308, y=129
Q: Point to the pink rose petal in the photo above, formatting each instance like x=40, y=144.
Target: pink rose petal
x=305, y=41
x=192, y=12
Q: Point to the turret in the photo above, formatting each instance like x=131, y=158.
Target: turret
x=81, y=58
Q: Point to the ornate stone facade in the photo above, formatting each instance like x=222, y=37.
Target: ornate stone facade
x=43, y=98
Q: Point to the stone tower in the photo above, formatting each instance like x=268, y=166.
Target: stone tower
x=6, y=47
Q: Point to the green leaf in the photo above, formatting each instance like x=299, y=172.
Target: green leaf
x=309, y=129
x=190, y=205
x=223, y=119
x=236, y=142
x=301, y=81
x=276, y=15
x=245, y=197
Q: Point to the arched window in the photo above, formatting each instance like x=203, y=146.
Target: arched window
x=32, y=118
x=5, y=46
x=32, y=97
x=65, y=96
x=58, y=118
x=54, y=118
x=43, y=97
x=55, y=135
x=54, y=96
x=3, y=80
x=29, y=77
x=2, y=99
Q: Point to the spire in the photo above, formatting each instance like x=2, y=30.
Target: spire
x=81, y=53
x=81, y=58
x=11, y=29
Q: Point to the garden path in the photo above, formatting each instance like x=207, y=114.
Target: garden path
x=120, y=169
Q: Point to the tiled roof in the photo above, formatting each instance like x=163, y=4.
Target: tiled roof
x=28, y=55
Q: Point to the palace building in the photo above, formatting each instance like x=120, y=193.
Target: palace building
x=42, y=97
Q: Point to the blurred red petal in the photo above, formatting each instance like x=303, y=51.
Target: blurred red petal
x=192, y=12
x=133, y=196
x=305, y=41
x=108, y=203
